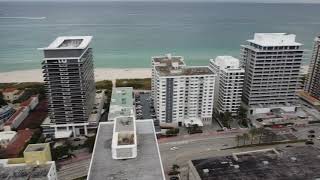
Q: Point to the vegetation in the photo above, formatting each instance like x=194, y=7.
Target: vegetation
x=2, y=101
x=30, y=88
x=252, y=135
x=107, y=86
x=242, y=116
x=194, y=128
x=61, y=152
x=172, y=132
x=89, y=143
x=225, y=119
x=144, y=84
x=37, y=137
x=174, y=170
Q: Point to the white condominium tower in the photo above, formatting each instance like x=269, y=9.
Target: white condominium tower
x=228, y=83
x=313, y=82
x=181, y=92
x=272, y=63
x=69, y=81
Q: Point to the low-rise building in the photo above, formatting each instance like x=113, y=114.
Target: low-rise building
x=35, y=165
x=121, y=103
x=17, y=118
x=12, y=94
x=6, y=137
x=21, y=114
x=287, y=163
x=5, y=113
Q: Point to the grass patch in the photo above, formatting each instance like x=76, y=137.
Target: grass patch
x=143, y=84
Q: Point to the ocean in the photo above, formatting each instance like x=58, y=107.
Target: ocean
x=128, y=34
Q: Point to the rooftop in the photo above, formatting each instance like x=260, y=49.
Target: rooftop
x=147, y=165
x=288, y=163
x=121, y=102
x=183, y=71
x=124, y=124
x=274, y=39
x=168, y=59
x=8, y=90
x=69, y=42
x=36, y=147
x=23, y=171
x=226, y=62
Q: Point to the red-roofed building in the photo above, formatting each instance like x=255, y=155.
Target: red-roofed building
x=17, y=145
x=32, y=102
x=11, y=94
x=17, y=118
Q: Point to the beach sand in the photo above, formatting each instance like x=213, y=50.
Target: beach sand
x=35, y=75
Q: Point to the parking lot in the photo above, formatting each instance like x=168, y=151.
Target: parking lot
x=144, y=106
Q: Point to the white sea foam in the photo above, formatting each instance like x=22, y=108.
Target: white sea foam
x=17, y=17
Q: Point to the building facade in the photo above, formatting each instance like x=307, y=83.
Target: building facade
x=272, y=63
x=228, y=83
x=312, y=85
x=181, y=92
x=5, y=113
x=69, y=80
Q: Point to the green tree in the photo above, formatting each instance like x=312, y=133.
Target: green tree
x=245, y=137
x=2, y=101
x=253, y=133
x=242, y=116
x=260, y=131
x=89, y=143
x=226, y=119
x=238, y=139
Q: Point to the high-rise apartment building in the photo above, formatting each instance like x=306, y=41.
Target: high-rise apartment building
x=181, y=92
x=312, y=85
x=69, y=81
x=272, y=63
x=228, y=83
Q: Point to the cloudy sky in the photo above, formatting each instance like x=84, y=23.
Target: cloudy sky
x=264, y=1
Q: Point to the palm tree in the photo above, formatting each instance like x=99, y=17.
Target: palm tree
x=245, y=137
x=260, y=132
x=238, y=138
x=253, y=132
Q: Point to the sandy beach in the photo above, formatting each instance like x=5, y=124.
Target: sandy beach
x=35, y=75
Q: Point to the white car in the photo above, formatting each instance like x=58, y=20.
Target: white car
x=174, y=148
x=318, y=138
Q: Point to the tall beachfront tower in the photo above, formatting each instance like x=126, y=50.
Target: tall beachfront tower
x=180, y=92
x=313, y=83
x=272, y=63
x=69, y=81
x=228, y=83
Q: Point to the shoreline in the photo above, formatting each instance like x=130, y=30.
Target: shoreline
x=35, y=75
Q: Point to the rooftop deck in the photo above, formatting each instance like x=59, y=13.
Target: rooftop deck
x=69, y=42
x=183, y=71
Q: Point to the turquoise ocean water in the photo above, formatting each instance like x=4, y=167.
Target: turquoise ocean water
x=127, y=34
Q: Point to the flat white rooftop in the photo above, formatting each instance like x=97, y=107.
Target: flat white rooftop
x=226, y=62
x=146, y=166
x=274, y=39
x=69, y=42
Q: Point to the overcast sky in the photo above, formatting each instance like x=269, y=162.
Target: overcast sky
x=271, y=1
